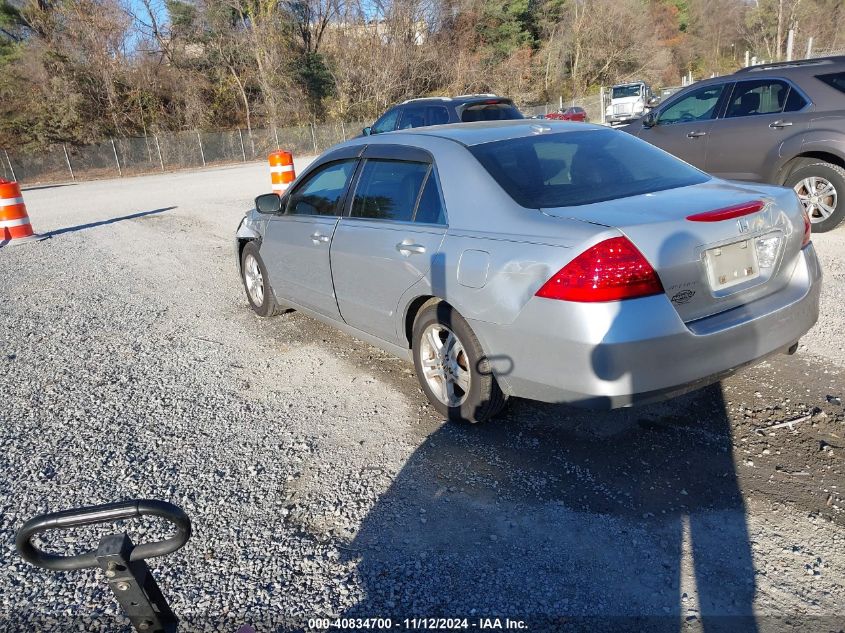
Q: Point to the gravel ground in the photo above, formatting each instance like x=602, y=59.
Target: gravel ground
x=320, y=483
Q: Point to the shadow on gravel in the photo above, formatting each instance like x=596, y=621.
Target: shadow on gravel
x=91, y=225
x=554, y=512
x=624, y=520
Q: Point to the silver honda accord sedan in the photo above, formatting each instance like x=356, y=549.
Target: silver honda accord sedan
x=556, y=261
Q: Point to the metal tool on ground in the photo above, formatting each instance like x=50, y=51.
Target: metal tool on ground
x=123, y=562
x=15, y=227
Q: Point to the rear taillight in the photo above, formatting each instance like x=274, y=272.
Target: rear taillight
x=736, y=211
x=611, y=270
x=808, y=227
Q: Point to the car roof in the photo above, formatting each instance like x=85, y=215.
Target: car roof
x=457, y=101
x=480, y=132
x=808, y=67
x=803, y=73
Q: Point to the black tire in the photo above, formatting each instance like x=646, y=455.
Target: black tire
x=267, y=307
x=835, y=175
x=484, y=399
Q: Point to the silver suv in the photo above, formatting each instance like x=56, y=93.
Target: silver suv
x=778, y=123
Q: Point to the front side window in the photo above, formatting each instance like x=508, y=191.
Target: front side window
x=389, y=189
x=322, y=190
x=387, y=123
x=576, y=168
x=762, y=96
x=699, y=105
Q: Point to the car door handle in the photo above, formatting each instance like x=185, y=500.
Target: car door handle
x=408, y=249
x=696, y=134
x=319, y=237
x=777, y=125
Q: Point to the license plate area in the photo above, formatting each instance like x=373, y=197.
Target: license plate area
x=731, y=264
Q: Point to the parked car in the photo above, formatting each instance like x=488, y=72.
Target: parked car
x=777, y=123
x=629, y=102
x=573, y=113
x=559, y=261
x=440, y=110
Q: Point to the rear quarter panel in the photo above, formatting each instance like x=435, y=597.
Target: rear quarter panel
x=490, y=277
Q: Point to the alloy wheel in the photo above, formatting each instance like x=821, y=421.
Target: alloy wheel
x=254, y=280
x=819, y=197
x=445, y=365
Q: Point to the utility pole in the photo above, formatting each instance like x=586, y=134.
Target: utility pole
x=790, y=41
x=809, y=47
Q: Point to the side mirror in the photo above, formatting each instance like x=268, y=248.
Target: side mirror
x=649, y=119
x=367, y=131
x=653, y=102
x=269, y=203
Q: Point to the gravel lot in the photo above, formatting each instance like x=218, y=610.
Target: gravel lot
x=321, y=484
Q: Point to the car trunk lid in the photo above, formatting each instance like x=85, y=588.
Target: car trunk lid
x=713, y=265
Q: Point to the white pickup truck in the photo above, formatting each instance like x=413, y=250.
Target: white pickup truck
x=628, y=102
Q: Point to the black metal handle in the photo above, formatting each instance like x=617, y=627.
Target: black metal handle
x=102, y=514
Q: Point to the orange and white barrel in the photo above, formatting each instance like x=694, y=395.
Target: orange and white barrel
x=281, y=171
x=14, y=220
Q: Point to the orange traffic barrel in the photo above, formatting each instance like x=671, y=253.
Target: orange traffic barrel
x=14, y=220
x=281, y=171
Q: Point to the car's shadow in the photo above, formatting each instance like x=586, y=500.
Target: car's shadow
x=631, y=519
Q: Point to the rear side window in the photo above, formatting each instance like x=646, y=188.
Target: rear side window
x=576, y=168
x=794, y=101
x=388, y=190
x=764, y=96
x=492, y=111
x=412, y=116
x=430, y=208
x=836, y=80
x=437, y=115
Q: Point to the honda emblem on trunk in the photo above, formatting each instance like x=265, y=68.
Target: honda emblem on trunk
x=742, y=223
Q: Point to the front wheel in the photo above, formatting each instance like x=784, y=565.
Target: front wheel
x=256, y=282
x=821, y=188
x=452, y=369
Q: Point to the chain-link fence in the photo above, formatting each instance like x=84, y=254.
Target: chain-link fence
x=167, y=152
x=592, y=105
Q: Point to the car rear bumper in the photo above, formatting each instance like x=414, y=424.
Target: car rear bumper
x=608, y=355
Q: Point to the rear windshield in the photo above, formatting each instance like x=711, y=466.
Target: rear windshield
x=574, y=168
x=836, y=80
x=499, y=111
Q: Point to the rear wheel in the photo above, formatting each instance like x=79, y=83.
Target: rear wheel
x=821, y=188
x=452, y=369
x=256, y=282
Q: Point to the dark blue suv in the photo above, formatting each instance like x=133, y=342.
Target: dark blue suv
x=440, y=110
